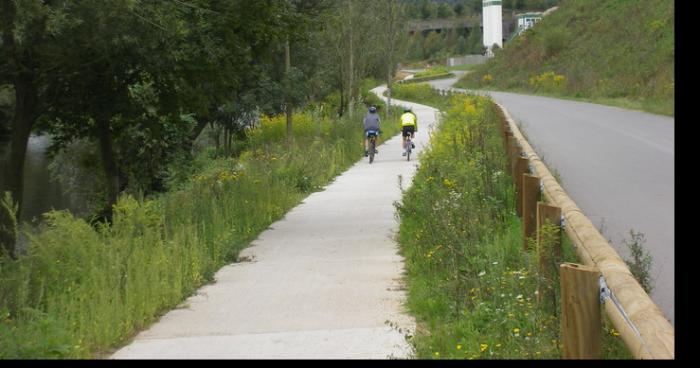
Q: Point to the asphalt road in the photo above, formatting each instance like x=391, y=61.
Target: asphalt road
x=325, y=282
x=616, y=164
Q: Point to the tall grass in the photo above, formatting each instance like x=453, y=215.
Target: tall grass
x=434, y=72
x=81, y=290
x=420, y=93
x=471, y=285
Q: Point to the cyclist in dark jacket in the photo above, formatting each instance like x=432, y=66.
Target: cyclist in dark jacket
x=371, y=124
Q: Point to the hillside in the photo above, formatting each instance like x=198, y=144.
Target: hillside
x=614, y=52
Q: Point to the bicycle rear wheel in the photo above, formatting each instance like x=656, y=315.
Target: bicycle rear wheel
x=408, y=150
x=372, y=144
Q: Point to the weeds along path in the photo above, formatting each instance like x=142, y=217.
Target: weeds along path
x=616, y=164
x=323, y=282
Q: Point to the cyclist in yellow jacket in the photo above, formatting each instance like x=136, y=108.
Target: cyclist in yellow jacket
x=409, y=127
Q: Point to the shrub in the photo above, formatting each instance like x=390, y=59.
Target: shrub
x=548, y=82
x=82, y=290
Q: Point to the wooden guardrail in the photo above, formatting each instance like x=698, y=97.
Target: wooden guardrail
x=642, y=325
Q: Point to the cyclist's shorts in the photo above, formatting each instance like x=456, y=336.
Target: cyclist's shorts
x=371, y=132
x=408, y=130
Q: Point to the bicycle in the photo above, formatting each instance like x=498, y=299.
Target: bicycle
x=372, y=145
x=409, y=145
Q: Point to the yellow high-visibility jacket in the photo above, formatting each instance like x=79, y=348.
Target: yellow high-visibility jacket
x=408, y=119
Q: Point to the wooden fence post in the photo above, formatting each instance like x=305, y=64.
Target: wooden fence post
x=552, y=214
x=547, y=214
x=530, y=196
x=506, y=143
x=521, y=167
x=580, y=312
x=513, y=154
x=503, y=129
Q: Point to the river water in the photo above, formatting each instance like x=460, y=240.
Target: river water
x=41, y=194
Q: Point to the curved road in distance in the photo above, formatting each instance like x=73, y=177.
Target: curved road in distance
x=616, y=164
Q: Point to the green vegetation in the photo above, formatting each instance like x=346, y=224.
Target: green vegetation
x=437, y=72
x=471, y=286
x=433, y=46
x=81, y=290
x=463, y=67
x=613, y=52
x=421, y=93
x=640, y=261
x=431, y=72
x=125, y=90
x=8, y=226
x=445, y=9
x=438, y=46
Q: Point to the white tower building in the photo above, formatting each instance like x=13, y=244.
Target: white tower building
x=493, y=24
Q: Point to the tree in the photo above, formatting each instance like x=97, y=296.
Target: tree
x=475, y=41
x=392, y=40
x=353, y=37
x=428, y=10
x=432, y=43
x=461, y=47
x=458, y=8
x=302, y=13
x=22, y=66
x=415, y=47
x=204, y=59
x=451, y=38
x=444, y=11
x=475, y=5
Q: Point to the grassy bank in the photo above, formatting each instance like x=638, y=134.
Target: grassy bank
x=421, y=93
x=471, y=286
x=437, y=72
x=82, y=291
x=613, y=52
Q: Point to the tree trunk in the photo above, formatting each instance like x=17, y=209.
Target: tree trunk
x=288, y=105
x=351, y=71
x=201, y=124
x=341, y=108
x=12, y=179
x=388, y=94
x=22, y=123
x=109, y=163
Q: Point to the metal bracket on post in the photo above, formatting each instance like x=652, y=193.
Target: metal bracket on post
x=606, y=293
x=604, y=290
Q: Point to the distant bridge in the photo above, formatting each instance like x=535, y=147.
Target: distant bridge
x=466, y=24
x=439, y=24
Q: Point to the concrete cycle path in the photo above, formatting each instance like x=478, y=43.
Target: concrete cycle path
x=325, y=282
x=616, y=164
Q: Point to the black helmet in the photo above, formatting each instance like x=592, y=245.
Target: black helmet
x=372, y=109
